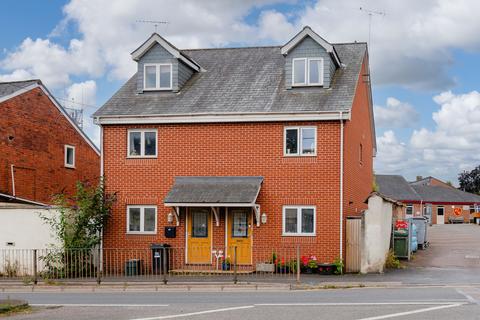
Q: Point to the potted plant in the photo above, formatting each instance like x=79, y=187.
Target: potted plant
x=338, y=266
x=226, y=264
x=326, y=268
x=268, y=266
x=281, y=266
x=312, y=266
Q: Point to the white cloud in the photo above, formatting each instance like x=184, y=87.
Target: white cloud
x=395, y=114
x=410, y=45
x=449, y=148
x=82, y=96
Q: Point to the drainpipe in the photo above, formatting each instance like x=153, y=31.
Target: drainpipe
x=101, y=177
x=13, y=179
x=341, y=185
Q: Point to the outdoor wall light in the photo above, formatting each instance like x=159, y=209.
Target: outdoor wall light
x=170, y=217
x=263, y=218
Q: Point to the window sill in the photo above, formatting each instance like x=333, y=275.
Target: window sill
x=69, y=167
x=289, y=155
x=157, y=89
x=298, y=235
x=307, y=85
x=140, y=233
x=142, y=157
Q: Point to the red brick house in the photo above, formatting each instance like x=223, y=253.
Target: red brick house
x=258, y=148
x=42, y=152
x=431, y=197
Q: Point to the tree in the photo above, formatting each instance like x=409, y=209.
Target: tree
x=470, y=180
x=78, y=227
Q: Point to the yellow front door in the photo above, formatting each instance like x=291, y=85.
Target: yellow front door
x=199, y=236
x=239, y=234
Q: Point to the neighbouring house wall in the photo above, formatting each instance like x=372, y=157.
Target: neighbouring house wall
x=25, y=228
x=448, y=211
x=238, y=149
x=358, y=175
x=376, y=234
x=33, y=135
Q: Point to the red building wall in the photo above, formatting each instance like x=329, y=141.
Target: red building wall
x=33, y=133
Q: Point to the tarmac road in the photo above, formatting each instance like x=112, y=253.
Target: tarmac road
x=360, y=303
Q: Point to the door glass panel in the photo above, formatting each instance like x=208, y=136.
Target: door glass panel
x=440, y=211
x=240, y=224
x=200, y=224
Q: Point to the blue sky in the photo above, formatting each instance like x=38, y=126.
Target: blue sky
x=424, y=59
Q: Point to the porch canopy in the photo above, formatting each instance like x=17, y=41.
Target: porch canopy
x=214, y=192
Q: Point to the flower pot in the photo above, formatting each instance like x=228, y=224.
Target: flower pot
x=226, y=266
x=327, y=268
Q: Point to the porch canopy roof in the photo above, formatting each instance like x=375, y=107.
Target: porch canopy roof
x=214, y=192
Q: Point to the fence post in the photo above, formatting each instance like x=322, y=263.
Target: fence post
x=298, y=264
x=164, y=265
x=99, y=271
x=235, y=278
x=35, y=273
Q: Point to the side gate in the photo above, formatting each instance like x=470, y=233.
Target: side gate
x=353, y=254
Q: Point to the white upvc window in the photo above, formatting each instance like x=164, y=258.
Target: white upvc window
x=307, y=72
x=299, y=220
x=409, y=210
x=141, y=219
x=300, y=141
x=69, y=158
x=142, y=143
x=157, y=76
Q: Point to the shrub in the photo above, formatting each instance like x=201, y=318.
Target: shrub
x=392, y=261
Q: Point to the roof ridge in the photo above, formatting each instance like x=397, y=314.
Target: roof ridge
x=18, y=81
x=228, y=48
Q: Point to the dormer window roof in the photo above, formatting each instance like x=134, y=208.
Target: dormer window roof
x=156, y=38
x=308, y=32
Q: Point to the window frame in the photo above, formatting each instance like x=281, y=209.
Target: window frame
x=409, y=205
x=142, y=143
x=157, y=77
x=299, y=232
x=307, y=72
x=65, y=158
x=299, y=142
x=142, y=219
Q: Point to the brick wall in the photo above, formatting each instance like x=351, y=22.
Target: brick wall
x=358, y=173
x=33, y=134
x=249, y=149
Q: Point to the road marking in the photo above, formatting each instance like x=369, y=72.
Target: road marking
x=182, y=315
x=333, y=304
x=468, y=296
x=406, y=313
x=95, y=305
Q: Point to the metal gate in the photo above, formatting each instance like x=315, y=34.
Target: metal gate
x=353, y=244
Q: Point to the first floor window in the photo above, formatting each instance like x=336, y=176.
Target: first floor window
x=409, y=210
x=301, y=141
x=69, y=156
x=299, y=220
x=142, y=219
x=142, y=143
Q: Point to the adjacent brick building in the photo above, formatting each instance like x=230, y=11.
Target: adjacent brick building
x=431, y=197
x=42, y=150
x=256, y=148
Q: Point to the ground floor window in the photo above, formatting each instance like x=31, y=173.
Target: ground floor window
x=299, y=220
x=409, y=210
x=142, y=219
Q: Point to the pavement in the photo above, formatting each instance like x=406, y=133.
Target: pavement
x=442, y=282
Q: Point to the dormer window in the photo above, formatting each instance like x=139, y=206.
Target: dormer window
x=157, y=76
x=307, y=72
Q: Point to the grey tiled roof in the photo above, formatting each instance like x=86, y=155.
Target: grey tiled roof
x=242, y=80
x=445, y=194
x=214, y=190
x=396, y=187
x=7, y=88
